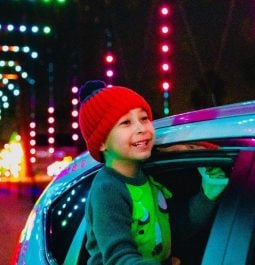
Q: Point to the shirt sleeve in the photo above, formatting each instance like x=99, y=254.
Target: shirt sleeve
x=111, y=217
x=191, y=216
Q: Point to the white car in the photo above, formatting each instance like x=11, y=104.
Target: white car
x=55, y=230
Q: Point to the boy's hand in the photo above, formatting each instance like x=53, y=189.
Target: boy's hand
x=214, y=181
x=176, y=261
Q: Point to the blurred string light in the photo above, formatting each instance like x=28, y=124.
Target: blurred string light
x=59, y=2
x=15, y=67
x=32, y=127
x=74, y=110
x=19, y=49
x=51, y=111
x=11, y=158
x=109, y=58
x=17, y=73
x=15, y=89
x=9, y=80
x=165, y=50
x=4, y=100
x=53, y=1
x=25, y=29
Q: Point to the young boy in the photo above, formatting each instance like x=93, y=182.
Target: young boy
x=127, y=213
x=127, y=217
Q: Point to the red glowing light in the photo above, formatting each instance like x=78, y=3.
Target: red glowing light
x=165, y=48
x=165, y=67
x=32, y=133
x=164, y=11
x=164, y=29
x=109, y=58
x=109, y=73
x=75, y=101
x=75, y=125
x=51, y=120
x=75, y=137
x=32, y=142
x=166, y=85
x=32, y=159
x=51, y=130
x=75, y=89
x=51, y=140
x=51, y=110
x=32, y=151
x=32, y=125
x=75, y=113
x=51, y=150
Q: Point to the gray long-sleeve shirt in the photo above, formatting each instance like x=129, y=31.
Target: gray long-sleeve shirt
x=109, y=219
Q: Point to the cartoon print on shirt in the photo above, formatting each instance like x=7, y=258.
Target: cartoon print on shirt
x=146, y=227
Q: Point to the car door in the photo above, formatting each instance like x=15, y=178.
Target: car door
x=229, y=236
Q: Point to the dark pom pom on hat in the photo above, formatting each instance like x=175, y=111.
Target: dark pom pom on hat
x=90, y=88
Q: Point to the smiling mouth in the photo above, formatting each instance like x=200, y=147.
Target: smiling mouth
x=141, y=143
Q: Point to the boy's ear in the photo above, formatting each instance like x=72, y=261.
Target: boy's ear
x=102, y=147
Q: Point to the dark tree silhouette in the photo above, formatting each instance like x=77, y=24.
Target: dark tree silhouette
x=209, y=91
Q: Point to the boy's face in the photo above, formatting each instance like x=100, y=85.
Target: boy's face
x=131, y=138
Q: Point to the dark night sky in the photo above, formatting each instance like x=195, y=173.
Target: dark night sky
x=212, y=40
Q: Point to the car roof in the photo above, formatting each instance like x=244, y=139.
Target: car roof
x=224, y=111
x=211, y=123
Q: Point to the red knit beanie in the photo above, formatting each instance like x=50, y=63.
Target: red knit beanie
x=101, y=107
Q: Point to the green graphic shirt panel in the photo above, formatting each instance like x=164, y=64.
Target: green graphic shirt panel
x=151, y=226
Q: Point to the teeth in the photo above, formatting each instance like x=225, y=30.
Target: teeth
x=141, y=143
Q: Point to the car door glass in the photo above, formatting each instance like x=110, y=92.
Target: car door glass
x=63, y=220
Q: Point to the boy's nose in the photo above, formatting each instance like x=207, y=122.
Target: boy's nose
x=139, y=126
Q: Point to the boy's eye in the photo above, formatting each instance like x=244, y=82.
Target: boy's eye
x=125, y=122
x=144, y=118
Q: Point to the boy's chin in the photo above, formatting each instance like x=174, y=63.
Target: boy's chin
x=144, y=156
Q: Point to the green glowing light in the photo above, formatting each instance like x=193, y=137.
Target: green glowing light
x=64, y=223
x=47, y=30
